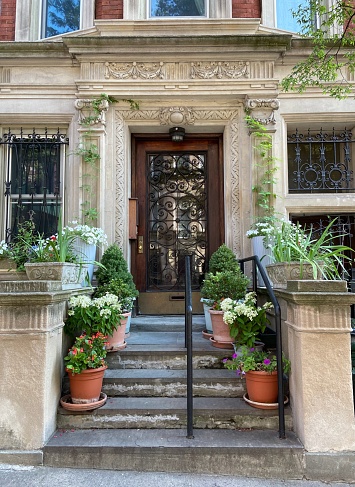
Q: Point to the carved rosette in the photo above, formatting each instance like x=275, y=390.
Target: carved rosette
x=134, y=70
x=220, y=70
x=263, y=111
x=177, y=116
x=85, y=111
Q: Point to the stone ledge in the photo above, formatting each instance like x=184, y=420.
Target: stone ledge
x=330, y=467
x=21, y=457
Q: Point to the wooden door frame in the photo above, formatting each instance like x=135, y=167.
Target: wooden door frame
x=215, y=186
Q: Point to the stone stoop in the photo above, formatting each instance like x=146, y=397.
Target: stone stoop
x=142, y=426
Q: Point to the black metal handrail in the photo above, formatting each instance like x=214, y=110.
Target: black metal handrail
x=257, y=265
x=188, y=346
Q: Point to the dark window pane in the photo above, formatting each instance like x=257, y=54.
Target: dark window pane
x=62, y=16
x=177, y=8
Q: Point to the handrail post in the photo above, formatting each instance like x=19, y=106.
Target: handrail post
x=257, y=265
x=188, y=345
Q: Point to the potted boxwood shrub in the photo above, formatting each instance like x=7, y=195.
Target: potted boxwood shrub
x=113, y=276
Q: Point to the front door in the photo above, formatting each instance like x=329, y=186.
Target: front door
x=179, y=187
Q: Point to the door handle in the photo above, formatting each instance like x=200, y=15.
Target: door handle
x=140, y=244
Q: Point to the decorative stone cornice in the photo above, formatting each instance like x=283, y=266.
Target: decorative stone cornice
x=177, y=115
x=262, y=110
x=220, y=70
x=134, y=70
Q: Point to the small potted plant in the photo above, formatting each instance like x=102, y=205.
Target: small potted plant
x=7, y=264
x=260, y=371
x=245, y=319
x=216, y=287
x=113, y=276
x=86, y=365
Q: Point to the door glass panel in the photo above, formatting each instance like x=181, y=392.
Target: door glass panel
x=177, y=8
x=177, y=218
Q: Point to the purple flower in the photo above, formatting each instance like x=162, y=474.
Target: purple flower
x=225, y=360
x=267, y=361
x=235, y=355
x=252, y=349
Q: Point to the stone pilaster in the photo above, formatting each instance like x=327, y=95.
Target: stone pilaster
x=31, y=322
x=318, y=336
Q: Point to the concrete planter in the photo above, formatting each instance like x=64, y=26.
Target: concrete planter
x=70, y=275
x=281, y=272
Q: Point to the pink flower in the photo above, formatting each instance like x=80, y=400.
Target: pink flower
x=267, y=361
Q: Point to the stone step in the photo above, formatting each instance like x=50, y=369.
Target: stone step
x=158, y=412
x=173, y=323
x=172, y=383
x=222, y=452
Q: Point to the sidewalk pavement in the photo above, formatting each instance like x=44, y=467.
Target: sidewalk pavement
x=17, y=476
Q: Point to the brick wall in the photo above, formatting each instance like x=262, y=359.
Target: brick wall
x=246, y=9
x=109, y=9
x=7, y=20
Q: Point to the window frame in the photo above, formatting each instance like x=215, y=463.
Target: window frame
x=194, y=17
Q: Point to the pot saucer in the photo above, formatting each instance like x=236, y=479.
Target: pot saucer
x=66, y=403
x=116, y=349
x=263, y=405
x=207, y=334
x=222, y=345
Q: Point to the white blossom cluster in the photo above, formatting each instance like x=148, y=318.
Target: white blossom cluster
x=260, y=229
x=4, y=248
x=90, y=235
x=242, y=308
x=105, y=304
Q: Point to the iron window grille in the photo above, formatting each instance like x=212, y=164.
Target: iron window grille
x=32, y=165
x=320, y=162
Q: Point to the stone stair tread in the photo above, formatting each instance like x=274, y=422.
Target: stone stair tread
x=172, y=438
x=168, y=374
x=175, y=405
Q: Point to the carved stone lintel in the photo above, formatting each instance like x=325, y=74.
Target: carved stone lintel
x=220, y=70
x=87, y=116
x=134, y=70
x=176, y=116
x=263, y=111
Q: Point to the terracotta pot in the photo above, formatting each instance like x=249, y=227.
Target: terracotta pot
x=262, y=387
x=86, y=386
x=220, y=329
x=117, y=339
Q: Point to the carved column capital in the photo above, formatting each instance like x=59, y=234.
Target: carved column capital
x=262, y=110
x=87, y=115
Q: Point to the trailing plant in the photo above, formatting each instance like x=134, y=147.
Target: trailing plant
x=88, y=352
x=89, y=151
x=265, y=196
x=249, y=359
x=22, y=243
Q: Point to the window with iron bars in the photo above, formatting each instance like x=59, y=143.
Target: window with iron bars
x=32, y=171
x=320, y=161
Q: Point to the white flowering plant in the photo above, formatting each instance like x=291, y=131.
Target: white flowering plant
x=245, y=319
x=89, y=234
x=5, y=250
x=95, y=315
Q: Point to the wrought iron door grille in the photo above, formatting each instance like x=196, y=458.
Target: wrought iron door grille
x=321, y=162
x=177, y=219
x=32, y=174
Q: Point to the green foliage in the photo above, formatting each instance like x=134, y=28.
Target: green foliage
x=125, y=291
x=227, y=284
x=250, y=359
x=98, y=315
x=223, y=259
x=245, y=319
x=332, y=41
x=265, y=195
x=114, y=266
x=88, y=352
x=22, y=243
x=291, y=242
